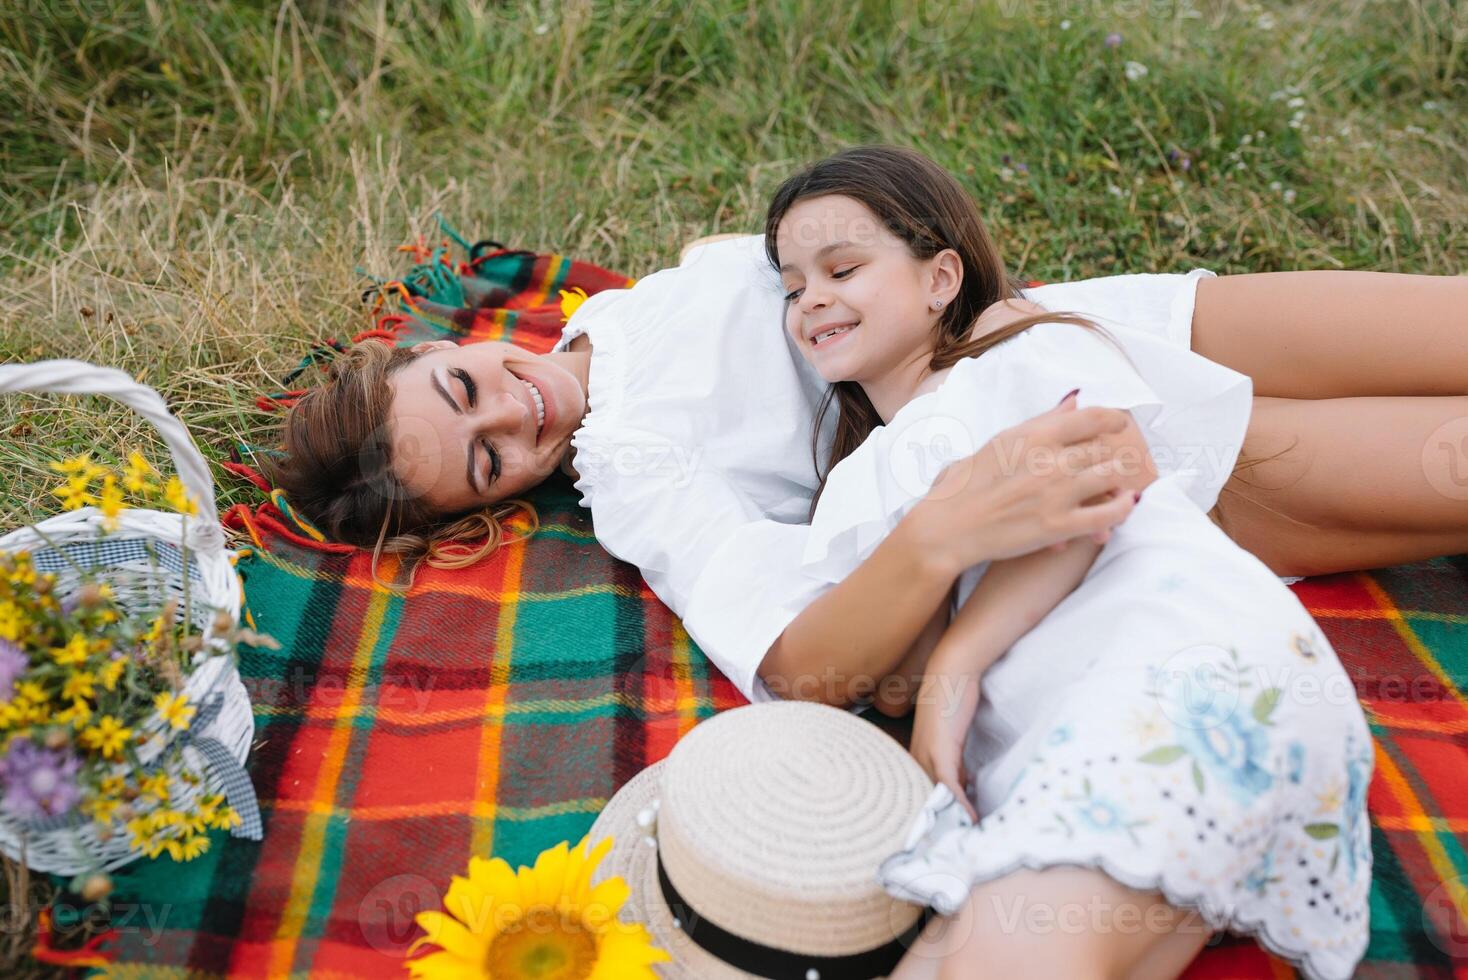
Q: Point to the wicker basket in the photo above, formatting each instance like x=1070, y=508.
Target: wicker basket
x=141, y=559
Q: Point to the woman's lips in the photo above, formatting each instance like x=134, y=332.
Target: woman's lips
x=544, y=397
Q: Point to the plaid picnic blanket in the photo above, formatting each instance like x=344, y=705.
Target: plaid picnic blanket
x=494, y=710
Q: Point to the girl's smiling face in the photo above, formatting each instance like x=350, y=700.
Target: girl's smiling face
x=844, y=272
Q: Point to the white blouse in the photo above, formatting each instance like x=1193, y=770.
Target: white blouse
x=695, y=455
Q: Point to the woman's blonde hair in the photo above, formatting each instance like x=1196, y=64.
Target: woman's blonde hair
x=337, y=471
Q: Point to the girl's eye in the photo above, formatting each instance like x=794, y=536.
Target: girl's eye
x=794, y=294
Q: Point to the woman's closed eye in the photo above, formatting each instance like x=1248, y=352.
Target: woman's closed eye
x=471, y=395
x=494, y=462
x=471, y=390
x=794, y=294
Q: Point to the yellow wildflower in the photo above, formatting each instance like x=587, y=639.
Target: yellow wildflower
x=32, y=692
x=163, y=817
x=174, y=708
x=110, y=674
x=102, y=807
x=24, y=573
x=211, y=811
x=75, y=652
x=77, y=715
x=571, y=300
x=155, y=632
x=225, y=819
x=110, y=502
x=79, y=685
x=137, y=475
x=142, y=832
x=74, y=494
x=108, y=736
x=156, y=784
x=13, y=621
x=178, y=498
x=78, y=468
x=112, y=785
x=193, y=846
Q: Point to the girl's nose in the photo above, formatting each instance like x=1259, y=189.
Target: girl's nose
x=810, y=300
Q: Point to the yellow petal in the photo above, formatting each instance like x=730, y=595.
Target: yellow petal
x=606, y=901
x=627, y=954
x=449, y=934
x=542, y=884
x=495, y=877
x=578, y=886
x=469, y=903
x=443, y=966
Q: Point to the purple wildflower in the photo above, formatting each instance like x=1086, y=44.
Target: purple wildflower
x=1113, y=40
x=13, y=663
x=38, y=782
x=1023, y=168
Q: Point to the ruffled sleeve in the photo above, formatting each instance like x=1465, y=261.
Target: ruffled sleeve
x=749, y=591
x=1191, y=411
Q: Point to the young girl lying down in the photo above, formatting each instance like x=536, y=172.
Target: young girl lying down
x=1141, y=721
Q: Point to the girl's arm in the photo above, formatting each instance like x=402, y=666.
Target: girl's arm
x=980, y=509
x=1011, y=598
x=1009, y=601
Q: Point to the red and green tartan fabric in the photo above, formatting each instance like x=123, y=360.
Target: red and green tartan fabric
x=494, y=710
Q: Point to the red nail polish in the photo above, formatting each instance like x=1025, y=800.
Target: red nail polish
x=1137, y=497
x=1070, y=394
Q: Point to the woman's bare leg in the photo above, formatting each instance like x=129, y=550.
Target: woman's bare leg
x=1330, y=334
x=1062, y=921
x=1369, y=482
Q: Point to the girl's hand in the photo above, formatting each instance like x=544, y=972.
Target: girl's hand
x=945, y=708
x=991, y=505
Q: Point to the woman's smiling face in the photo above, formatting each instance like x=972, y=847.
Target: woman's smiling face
x=465, y=427
x=844, y=271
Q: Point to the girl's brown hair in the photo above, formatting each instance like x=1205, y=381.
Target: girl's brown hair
x=920, y=203
x=337, y=471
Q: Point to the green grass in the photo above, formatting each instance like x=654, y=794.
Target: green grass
x=205, y=176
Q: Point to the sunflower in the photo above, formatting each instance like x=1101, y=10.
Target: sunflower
x=546, y=923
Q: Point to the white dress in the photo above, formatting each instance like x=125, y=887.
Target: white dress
x=695, y=457
x=1179, y=720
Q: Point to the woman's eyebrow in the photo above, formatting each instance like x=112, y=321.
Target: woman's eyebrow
x=445, y=392
x=820, y=254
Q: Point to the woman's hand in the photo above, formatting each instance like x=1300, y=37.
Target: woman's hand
x=1038, y=484
x=946, y=704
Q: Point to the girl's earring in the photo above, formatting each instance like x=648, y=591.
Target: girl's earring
x=937, y=304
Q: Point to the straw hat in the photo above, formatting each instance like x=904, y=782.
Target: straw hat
x=768, y=822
